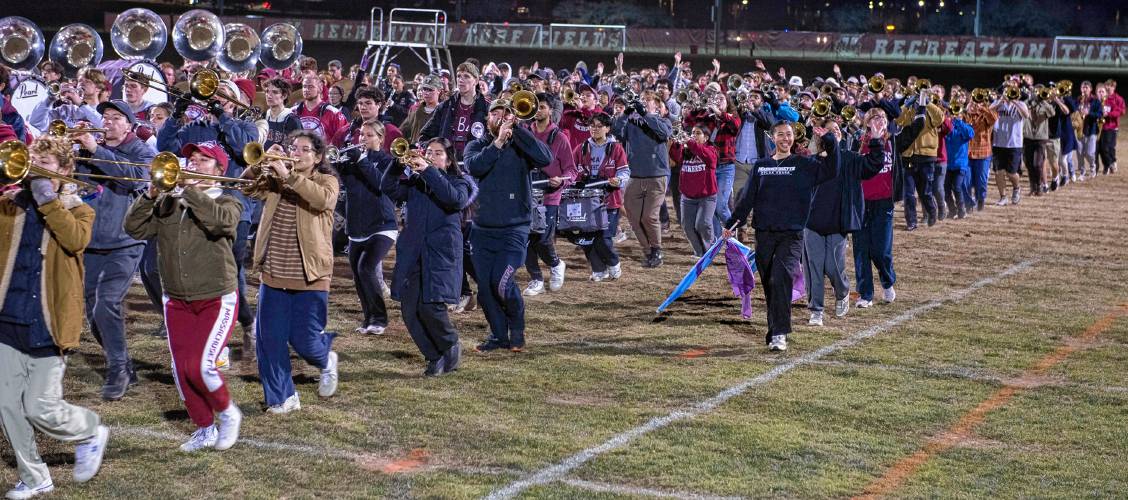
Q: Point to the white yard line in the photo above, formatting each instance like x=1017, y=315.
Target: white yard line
x=559, y=471
x=631, y=490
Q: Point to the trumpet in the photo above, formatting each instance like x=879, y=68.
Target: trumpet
x=957, y=108
x=848, y=113
x=515, y=86
x=254, y=154
x=980, y=95
x=58, y=128
x=1046, y=93
x=401, y=149
x=621, y=83
x=1065, y=87
x=15, y=167
x=335, y=155
x=1012, y=93
x=680, y=136
x=568, y=95
x=735, y=82
x=800, y=132
x=684, y=96
x=876, y=84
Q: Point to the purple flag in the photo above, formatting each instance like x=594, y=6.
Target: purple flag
x=798, y=285
x=740, y=277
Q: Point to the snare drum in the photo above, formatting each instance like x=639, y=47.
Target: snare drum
x=582, y=211
x=28, y=94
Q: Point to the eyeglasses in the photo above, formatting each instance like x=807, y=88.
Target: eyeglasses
x=303, y=149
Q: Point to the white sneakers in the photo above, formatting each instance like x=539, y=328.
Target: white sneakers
x=556, y=276
x=816, y=320
x=863, y=303
x=292, y=403
x=841, y=307
x=615, y=272
x=88, y=455
x=597, y=277
x=23, y=491
x=374, y=330
x=888, y=295
x=536, y=287
x=778, y=343
x=229, y=423
x=204, y=437
x=328, y=384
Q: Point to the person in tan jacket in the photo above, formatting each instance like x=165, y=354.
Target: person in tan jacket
x=43, y=234
x=294, y=258
x=921, y=157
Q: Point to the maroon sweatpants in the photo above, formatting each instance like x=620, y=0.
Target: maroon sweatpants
x=197, y=332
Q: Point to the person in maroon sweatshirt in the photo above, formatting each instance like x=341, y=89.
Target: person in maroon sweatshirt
x=560, y=174
x=575, y=120
x=697, y=183
x=722, y=127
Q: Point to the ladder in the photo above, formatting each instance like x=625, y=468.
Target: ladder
x=421, y=32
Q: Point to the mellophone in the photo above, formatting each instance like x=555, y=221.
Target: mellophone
x=582, y=210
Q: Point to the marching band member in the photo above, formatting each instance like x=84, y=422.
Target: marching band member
x=370, y=222
x=1006, y=150
x=561, y=174
x=778, y=195
x=429, y=254
x=112, y=257
x=645, y=134
x=752, y=141
x=1093, y=110
x=69, y=107
x=462, y=118
x=1113, y=106
x=1067, y=138
x=957, y=170
x=982, y=119
x=921, y=158
x=40, y=324
x=723, y=129
x=8, y=113
x=316, y=114
x=574, y=119
x=423, y=110
x=133, y=93
x=1035, y=140
x=501, y=162
x=195, y=229
x=94, y=86
x=294, y=256
x=697, y=181
x=369, y=102
x=600, y=158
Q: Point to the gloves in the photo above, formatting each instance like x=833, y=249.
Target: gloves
x=181, y=108
x=215, y=108
x=639, y=108
x=43, y=190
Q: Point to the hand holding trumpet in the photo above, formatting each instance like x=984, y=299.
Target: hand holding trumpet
x=279, y=167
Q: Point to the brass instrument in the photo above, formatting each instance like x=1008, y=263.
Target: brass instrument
x=1012, y=93
x=166, y=173
x=203, y=86
x=876, y=84
x=281, y=46
x=800, y=132
x=54, y=89
x=254, y=154
x=58, y=128
x=679, y=136
x=76, y=46
x=826, y=89
x=821, y=108
x=1065, y=87
x=1044, y=93
x=631, y=98
x=198, y=35
x=515, y=86
x=21, y=43
x=138, y=34
x=335, y=155
x=980, y=95
x=401, y=149
x=524, y=104
x=849, y=113
x=240, y=50
x=15, y=166
x=957, y=108
x=568, y=95
x=735, y=82
x=685, y=96
x=621, y=82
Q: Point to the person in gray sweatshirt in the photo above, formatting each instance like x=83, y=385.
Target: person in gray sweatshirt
x=645, y=133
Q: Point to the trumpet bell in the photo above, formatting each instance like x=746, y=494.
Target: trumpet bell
x=524, y=104
x=821, y=107
x=76, y=46
x=800, y=131
x=957, y=108
x=281, y=46
x=198, y=35
x=848, y=113
x=735, y=82
x=400, y=147
x=876, y=84
x=138, y=34
x=21, y=43
x=240, y=48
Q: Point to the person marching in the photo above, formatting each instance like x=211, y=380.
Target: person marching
x=601, y=158
x=561, y=174
x=294, y=256
x=501, y=162
x=370, y=222
x=428, y=272
x=778, y=194
x=698, y=185
x=195, y=227
x=44, y=233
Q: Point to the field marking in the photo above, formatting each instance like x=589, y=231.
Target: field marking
x=632, y=490
x=559, y=470
x=897, y=473
x=973, y=375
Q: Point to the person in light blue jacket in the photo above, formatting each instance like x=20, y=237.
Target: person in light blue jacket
x=956, y=180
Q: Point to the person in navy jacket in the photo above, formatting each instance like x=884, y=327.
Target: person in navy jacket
x=428, y=273
x=778, y=194
x=501, y=163
x=370, y=222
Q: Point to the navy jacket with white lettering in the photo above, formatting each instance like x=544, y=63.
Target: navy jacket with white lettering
x=505, y=195
x=778, y=193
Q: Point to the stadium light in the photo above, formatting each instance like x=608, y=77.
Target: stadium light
x=890, y=27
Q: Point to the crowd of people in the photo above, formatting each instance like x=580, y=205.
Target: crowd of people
x=471, y=174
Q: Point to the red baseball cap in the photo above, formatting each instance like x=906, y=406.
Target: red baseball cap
x=210, y=149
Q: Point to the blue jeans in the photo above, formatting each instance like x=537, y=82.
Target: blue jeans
x=980, y=176
x=725, y=174
x=290, y=318
x=919, y=181
x=498, y=254
x=107, y=279
x=239, y=249
x=938, y=177
x=873, y=246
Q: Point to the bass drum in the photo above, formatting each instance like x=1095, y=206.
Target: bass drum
x=28, y=94
x=156, y=93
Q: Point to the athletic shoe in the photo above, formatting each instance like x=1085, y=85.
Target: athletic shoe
x=224, y=360
x=204, y=437
x=452, y=358
x=88, y=455
x=816, y=320
x=1004, y=201
x=362, y=329
x=979, y=205
x=327, y=387
x=490, y=344
x=778, y=343
x=229, y=422
x=1016, y=196
x=536, y=287
x=117, y=382
x=161, y=331
x=910, y=227
x=22, y=490
x=961, y=212
x=250, y=342
x=888, y=294
x=556, y=276
x=614, y=272
x=292, y=403
x=620, y=236
x=1053, y=185
x=434, y=368
x=863, y=303
x=463, y=302
x=597, y=277
x=374, y=330
x=842, y=307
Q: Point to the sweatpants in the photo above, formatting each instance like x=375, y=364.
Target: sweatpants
x=953, y=196
x=601, y=253
x=542, y=247
x=197, y=332
x=918, y=182
x=151, y=275
x=107, y=279
x=938, y=176
x=1034, y=156
x=826, y=256
x=239, y=249
x=641, y=201
x=699, y=215
x=1089, y=154
x=289, y=318
x=873, y=246
x=468, y=272
x=498, y=253
x=1106, y=149
x=980, y=176
x=366, y=259
x=777, y=253
x=726, y=175
x=31, y=397
x=427, y=322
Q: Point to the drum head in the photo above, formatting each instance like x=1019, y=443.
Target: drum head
x=28, y=94
x=156, y=92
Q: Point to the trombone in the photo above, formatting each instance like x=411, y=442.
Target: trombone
x=15, y=167
x=524, y=105
x=821, y=108
x=165, y=171
x=876, y=84
x=203, y=86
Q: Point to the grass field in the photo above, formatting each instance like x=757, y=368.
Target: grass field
x=999, y=372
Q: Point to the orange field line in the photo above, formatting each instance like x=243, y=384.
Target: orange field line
x=896, y=475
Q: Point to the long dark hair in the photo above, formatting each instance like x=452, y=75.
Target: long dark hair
x=319, y=147
x=452, y=156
